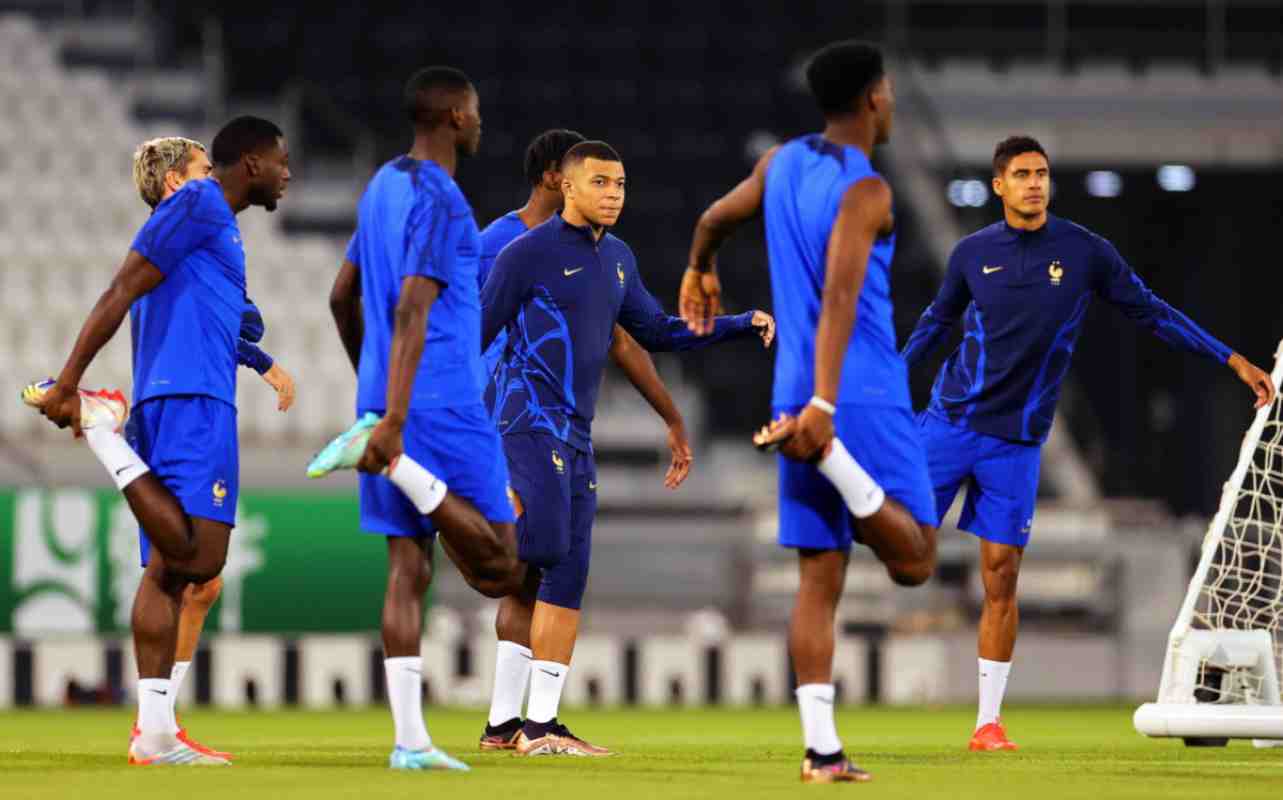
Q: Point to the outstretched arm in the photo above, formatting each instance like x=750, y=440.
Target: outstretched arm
x=137, y=277
x=643, y=317
x=700, y=296
x=1125, y=290
x=640, y=369
x=940, y=316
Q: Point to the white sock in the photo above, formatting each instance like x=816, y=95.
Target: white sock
x=511, y=674
x=176, y=676
x=122, y=463
x=815, y=704
x=862, y=494
x=155, y=717
x=547, y=678
x=993, y=685
x=404, y=683
x=425, y=490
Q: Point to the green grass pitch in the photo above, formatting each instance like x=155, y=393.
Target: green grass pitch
x=1066, y=752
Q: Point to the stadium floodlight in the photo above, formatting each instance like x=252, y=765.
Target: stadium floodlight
x=1104, y=183
x=968, y=193
x=1176, y=177
x=1225, y=651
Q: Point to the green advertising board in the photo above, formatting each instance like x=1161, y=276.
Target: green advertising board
x=297, y=562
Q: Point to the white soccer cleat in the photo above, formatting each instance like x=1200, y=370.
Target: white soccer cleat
x=180, y=755
x=100, y=409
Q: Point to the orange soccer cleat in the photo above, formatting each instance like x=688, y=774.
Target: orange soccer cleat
x=991, y=737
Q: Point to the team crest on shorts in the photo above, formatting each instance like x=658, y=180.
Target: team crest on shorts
x=558, y=463
x=220, y=492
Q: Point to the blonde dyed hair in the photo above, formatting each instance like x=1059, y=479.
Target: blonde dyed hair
x=155, y=158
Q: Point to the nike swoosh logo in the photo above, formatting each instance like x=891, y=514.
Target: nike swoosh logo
x=990, y=270
x=553, y=674
x=825, y=701
x=569, y=272
x=592, y=487
x=122, y=469
x=158, y=691
x=415, y=671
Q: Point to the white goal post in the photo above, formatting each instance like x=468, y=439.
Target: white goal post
x=1225, y=651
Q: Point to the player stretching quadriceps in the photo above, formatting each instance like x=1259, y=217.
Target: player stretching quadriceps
x=431, y=460
x=1022, y=287
x=161, y=167
x=830, y=239
x=183, y=284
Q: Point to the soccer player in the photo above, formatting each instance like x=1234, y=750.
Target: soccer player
x=161, y=167
x=830, y=238
x=183, y=283
x=431, y=459
x=512, y=623
x=1022, y=287
x=559, y=291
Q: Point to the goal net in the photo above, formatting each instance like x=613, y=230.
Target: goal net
x=1225, y=650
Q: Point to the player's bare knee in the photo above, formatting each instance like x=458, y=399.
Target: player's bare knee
x=912, y=573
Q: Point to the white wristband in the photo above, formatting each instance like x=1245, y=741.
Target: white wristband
x=823, y=405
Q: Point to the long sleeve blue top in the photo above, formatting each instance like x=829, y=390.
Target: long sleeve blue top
x=558, y=292
x=1022, y=296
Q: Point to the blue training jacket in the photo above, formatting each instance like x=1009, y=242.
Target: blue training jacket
x=558, y=293
x=1023, y=296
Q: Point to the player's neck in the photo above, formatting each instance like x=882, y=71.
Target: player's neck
x=572, y=216
x=437, y=146
x=235, y=190
x=540, y=207
x=852, y=131
x=1023, y=222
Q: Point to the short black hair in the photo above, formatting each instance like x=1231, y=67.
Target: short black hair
x=547, y=150
x=589, y=149
x=240, y=137
x=841, y=72
x=1013, y=146
x=417, y=100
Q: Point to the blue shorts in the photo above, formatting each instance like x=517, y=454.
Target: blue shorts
x=882, y=439
x=1001, y=478
x=557, y=485
x=458, y=445
x=189, y=442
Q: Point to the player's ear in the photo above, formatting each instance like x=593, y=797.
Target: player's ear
x=551, y=180
x=252, y=164
x=997, y=185
x=173, y=181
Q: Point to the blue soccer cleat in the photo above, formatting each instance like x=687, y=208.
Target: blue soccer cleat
x=345, y=450
x=432, y=758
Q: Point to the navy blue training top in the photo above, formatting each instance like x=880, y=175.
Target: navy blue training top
x=1023, y=296
x=559, y=293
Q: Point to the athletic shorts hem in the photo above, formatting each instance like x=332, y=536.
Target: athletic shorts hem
x=1013, y=540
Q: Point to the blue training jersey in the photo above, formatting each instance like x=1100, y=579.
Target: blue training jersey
x=413, y=220
x=559, y=294
x=805, y=183
x=494, y=238
x=1022, y=296
x=185, y=331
